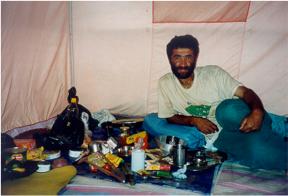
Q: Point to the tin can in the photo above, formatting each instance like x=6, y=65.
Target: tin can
x=15, y=153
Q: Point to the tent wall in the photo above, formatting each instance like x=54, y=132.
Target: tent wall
x=119, y=53
x=264, y=62
x=34, y=63
x=112, y=44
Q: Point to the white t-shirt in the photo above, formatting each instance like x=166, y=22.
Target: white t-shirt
x=210, y=86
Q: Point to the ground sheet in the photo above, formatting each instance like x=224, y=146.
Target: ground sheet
x=200, y=182
x=235, y=179
x=232, y=179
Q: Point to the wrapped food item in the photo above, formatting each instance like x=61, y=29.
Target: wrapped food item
x=96, y=159
x=25, y=143
x=104, y=165
x=115, y=160
x=135, y=137
x=36, y=154
x=155, y=165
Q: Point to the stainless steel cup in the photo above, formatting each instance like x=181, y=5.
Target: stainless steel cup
x=95, y=147
x=179, y=155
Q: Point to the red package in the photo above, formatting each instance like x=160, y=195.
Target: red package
x=25, y=143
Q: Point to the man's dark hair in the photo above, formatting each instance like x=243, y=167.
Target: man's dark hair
x=183, y=41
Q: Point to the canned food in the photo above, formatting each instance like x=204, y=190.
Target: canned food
x=15, y=153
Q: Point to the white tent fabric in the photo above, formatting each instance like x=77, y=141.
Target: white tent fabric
x=112, y=54
x=119, y=53
x=35, y=62
x=264, y=62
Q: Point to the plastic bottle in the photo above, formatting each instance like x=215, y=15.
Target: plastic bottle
x=138, y=157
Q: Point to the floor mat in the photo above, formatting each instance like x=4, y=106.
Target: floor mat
x=235, y=179
x=82, y=185
x=232, y=179
x=198, y=183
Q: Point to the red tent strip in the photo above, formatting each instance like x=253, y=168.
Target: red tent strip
x=200, y=12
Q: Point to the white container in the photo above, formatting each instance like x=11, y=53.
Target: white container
x=75, y=153
x=52, y=154
x=43, y=166
x=137, y=160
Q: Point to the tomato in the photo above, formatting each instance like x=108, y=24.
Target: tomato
x=107, y=167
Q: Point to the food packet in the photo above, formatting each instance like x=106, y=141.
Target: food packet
x=36, y=154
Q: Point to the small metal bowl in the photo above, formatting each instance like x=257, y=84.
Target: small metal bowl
x=198, y=162
x=125, y=151
x=96, y=146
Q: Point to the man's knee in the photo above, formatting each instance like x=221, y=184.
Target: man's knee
x=230, y=113
x=153, y=124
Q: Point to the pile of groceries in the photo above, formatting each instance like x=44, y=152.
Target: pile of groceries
x=124, y=155
x=117, y=148
x=128, y=156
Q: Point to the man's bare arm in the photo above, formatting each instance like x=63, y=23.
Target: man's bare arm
x=203, y=124
x=254, y=119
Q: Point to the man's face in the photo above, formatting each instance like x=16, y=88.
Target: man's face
x=183, y=62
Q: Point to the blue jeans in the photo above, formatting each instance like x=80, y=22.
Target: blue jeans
x=264, y=148
x=160, y=127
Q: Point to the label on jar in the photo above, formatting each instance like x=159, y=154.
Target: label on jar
x=18, y=157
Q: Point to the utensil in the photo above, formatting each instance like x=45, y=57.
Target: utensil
x=125, y=151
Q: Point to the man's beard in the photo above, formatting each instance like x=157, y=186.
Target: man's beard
x=187, y=74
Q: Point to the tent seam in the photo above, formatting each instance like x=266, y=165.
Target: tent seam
x=71, y=46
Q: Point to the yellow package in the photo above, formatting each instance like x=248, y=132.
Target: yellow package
x=115, y=160
x=97, y=159
x=131, y=139
x=36, y=154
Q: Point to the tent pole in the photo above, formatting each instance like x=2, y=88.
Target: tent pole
x=71, y=46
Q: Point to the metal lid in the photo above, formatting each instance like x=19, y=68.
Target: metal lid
x=124, y=128
x=15, y=150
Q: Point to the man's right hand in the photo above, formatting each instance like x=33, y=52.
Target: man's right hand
x=204, y=125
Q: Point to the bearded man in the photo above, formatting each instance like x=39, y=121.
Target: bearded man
x=205, y=106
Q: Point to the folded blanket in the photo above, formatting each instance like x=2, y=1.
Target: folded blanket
x=48, y=183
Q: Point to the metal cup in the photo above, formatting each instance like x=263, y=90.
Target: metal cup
x=95, y=147
x=179, y=155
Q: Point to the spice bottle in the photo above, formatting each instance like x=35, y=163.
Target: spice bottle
x=123, y=136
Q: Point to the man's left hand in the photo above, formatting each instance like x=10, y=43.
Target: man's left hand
x=252, y=122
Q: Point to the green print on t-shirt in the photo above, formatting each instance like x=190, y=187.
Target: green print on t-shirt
x=198, y=110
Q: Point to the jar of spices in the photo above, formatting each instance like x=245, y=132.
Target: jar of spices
x=123, y=135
